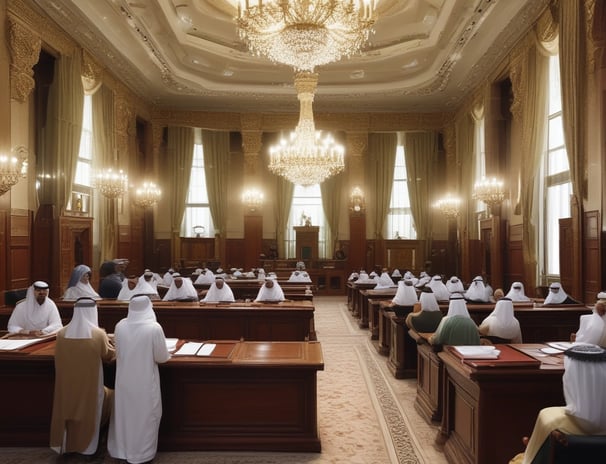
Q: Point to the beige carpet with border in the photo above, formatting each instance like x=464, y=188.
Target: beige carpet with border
x=365, y=415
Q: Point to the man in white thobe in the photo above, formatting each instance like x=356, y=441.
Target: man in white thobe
x=182, y=289
x=270, y=291
x=140, y=347
x=219, y=291
x=37, y=314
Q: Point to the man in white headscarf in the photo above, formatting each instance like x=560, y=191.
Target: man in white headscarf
x=81, y=404
x=429, y=317
x=585, y=411
x=557, y=296
x=137, y=286
x=406, y=295
x=516, y=292
x=457, y=327
x=439, y=289
x=140, y=347
x=502, y=323
x=79, y=284
x=151, y=278
x=424, y=279
x=384, y=281
x=182, y=289
x=476, y=292
x=167, y=278
x=270, y=291
x=219, y=291
x=206, y=277
x=37, y=314
x=454, y=285
x=592, y=327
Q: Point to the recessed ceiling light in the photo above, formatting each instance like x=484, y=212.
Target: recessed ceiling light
x=358, y=74
x=228, y=72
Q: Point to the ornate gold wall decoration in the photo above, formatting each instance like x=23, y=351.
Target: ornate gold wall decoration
x=24, y=47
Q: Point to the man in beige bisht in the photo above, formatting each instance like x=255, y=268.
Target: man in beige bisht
x=81, y=404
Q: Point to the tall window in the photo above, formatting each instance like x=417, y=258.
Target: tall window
x=557, y=186
x=197, y=220
x=306, y=203
x=480, y=160
x=400, y=224
x=83, y=178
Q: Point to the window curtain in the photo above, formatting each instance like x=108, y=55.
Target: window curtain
x=284, y=194
x=572, y=71
x=216, y=169
x=179, y=154
x=465, y=143
x=104, y=157
x=420, y=155
x=381, y=163
x=331, y=202
x=62, y=136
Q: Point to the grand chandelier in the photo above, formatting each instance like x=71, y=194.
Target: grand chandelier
x=305, y=33
x=448, y=206
x=306, y=158
x=490, y=191
x=147, y=195
x=112, y=184
x=11, y=170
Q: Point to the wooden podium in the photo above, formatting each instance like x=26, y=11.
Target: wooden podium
x=307, y=242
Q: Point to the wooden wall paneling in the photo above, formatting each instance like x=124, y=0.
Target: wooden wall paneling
x=253, y=236
x=592, y=257
x=20, y=248
x=356, y=257
x=162, y=253
x=195, y=250
x=471, y=259
x=76, y=246
x=4, y=244
x=441, y=255
x=235, y=252
x=566, y=255
x=135, y=252
x=513, y=257
x=405, y=255
x=492, y=251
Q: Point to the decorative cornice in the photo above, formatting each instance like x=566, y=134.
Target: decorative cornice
x=24, y=47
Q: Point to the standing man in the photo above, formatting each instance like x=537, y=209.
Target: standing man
x=81, y=404
x=140, y=347
x=37, y=315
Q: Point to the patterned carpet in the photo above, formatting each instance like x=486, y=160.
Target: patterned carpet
x=365, y=415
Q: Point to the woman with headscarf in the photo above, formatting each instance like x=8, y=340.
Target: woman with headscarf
x=81, y=404
x=501, y=323
x=457, y=327
x=516, y=292
x=79, y=284
x=557, y=296
x=428, y=318
x=585, y=411
x=140, y=347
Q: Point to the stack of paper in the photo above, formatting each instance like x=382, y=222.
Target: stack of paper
x=477, y=352
x=196, y=349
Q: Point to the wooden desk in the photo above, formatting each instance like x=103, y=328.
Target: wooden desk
x=385, y=315
x=428, y=401
x=488, y=410
x=402, y=360
x=366, y=295
x=358, y=298
x=246, y=396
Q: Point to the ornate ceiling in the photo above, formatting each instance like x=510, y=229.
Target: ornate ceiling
x=424, y=55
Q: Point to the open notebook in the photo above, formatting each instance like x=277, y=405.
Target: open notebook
x=195, y=349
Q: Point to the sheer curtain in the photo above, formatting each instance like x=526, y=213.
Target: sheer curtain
x=63, y=132
x=421, y=154
x=465, y=141
x=331, y=202
x=381, y=161
x=179, y=154
x=284, y=194
x=216, y=170
x=103, y=137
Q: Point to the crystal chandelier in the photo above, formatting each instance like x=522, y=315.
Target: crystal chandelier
x=252, y=199
x=490, y=191
x=449, y=206
x=11, y=170
x=147, y=195
x=306, y=158
x=305, y=33
x=112, y=184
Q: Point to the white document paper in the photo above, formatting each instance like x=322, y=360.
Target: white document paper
x=11, y=345
x=189, y=349
x=207, y=349
x=478, y=351
x=562, y=346
x=171, y=344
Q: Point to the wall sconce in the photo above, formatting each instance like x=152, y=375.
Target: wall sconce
x=356, y=200
x=147, y=195
x=253, y=199
x=449, y=206
x=112, y=184
x=12, y=168
x=490, y=191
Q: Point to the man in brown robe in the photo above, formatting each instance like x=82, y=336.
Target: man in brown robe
x=81, y=402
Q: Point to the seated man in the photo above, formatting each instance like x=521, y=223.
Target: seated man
x=37, y=314
x=476, y=293
x=111, y=280
x=557, y=296
x=270, y=291
x=137, y=286
x=516, y=292
x=585, y=411
x=428, y=319
x=592, y=327
x=502, y=324
x=457, y=327
x=182, y=289
x=219, y=291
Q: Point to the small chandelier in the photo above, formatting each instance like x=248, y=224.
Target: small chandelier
x=356, y=200
x=306, y=158
x=147, y=195
x=252, y=199
x=305, y=33
x=11, y=170
x=449, y=206
x=112, y=184
x=490, y=191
